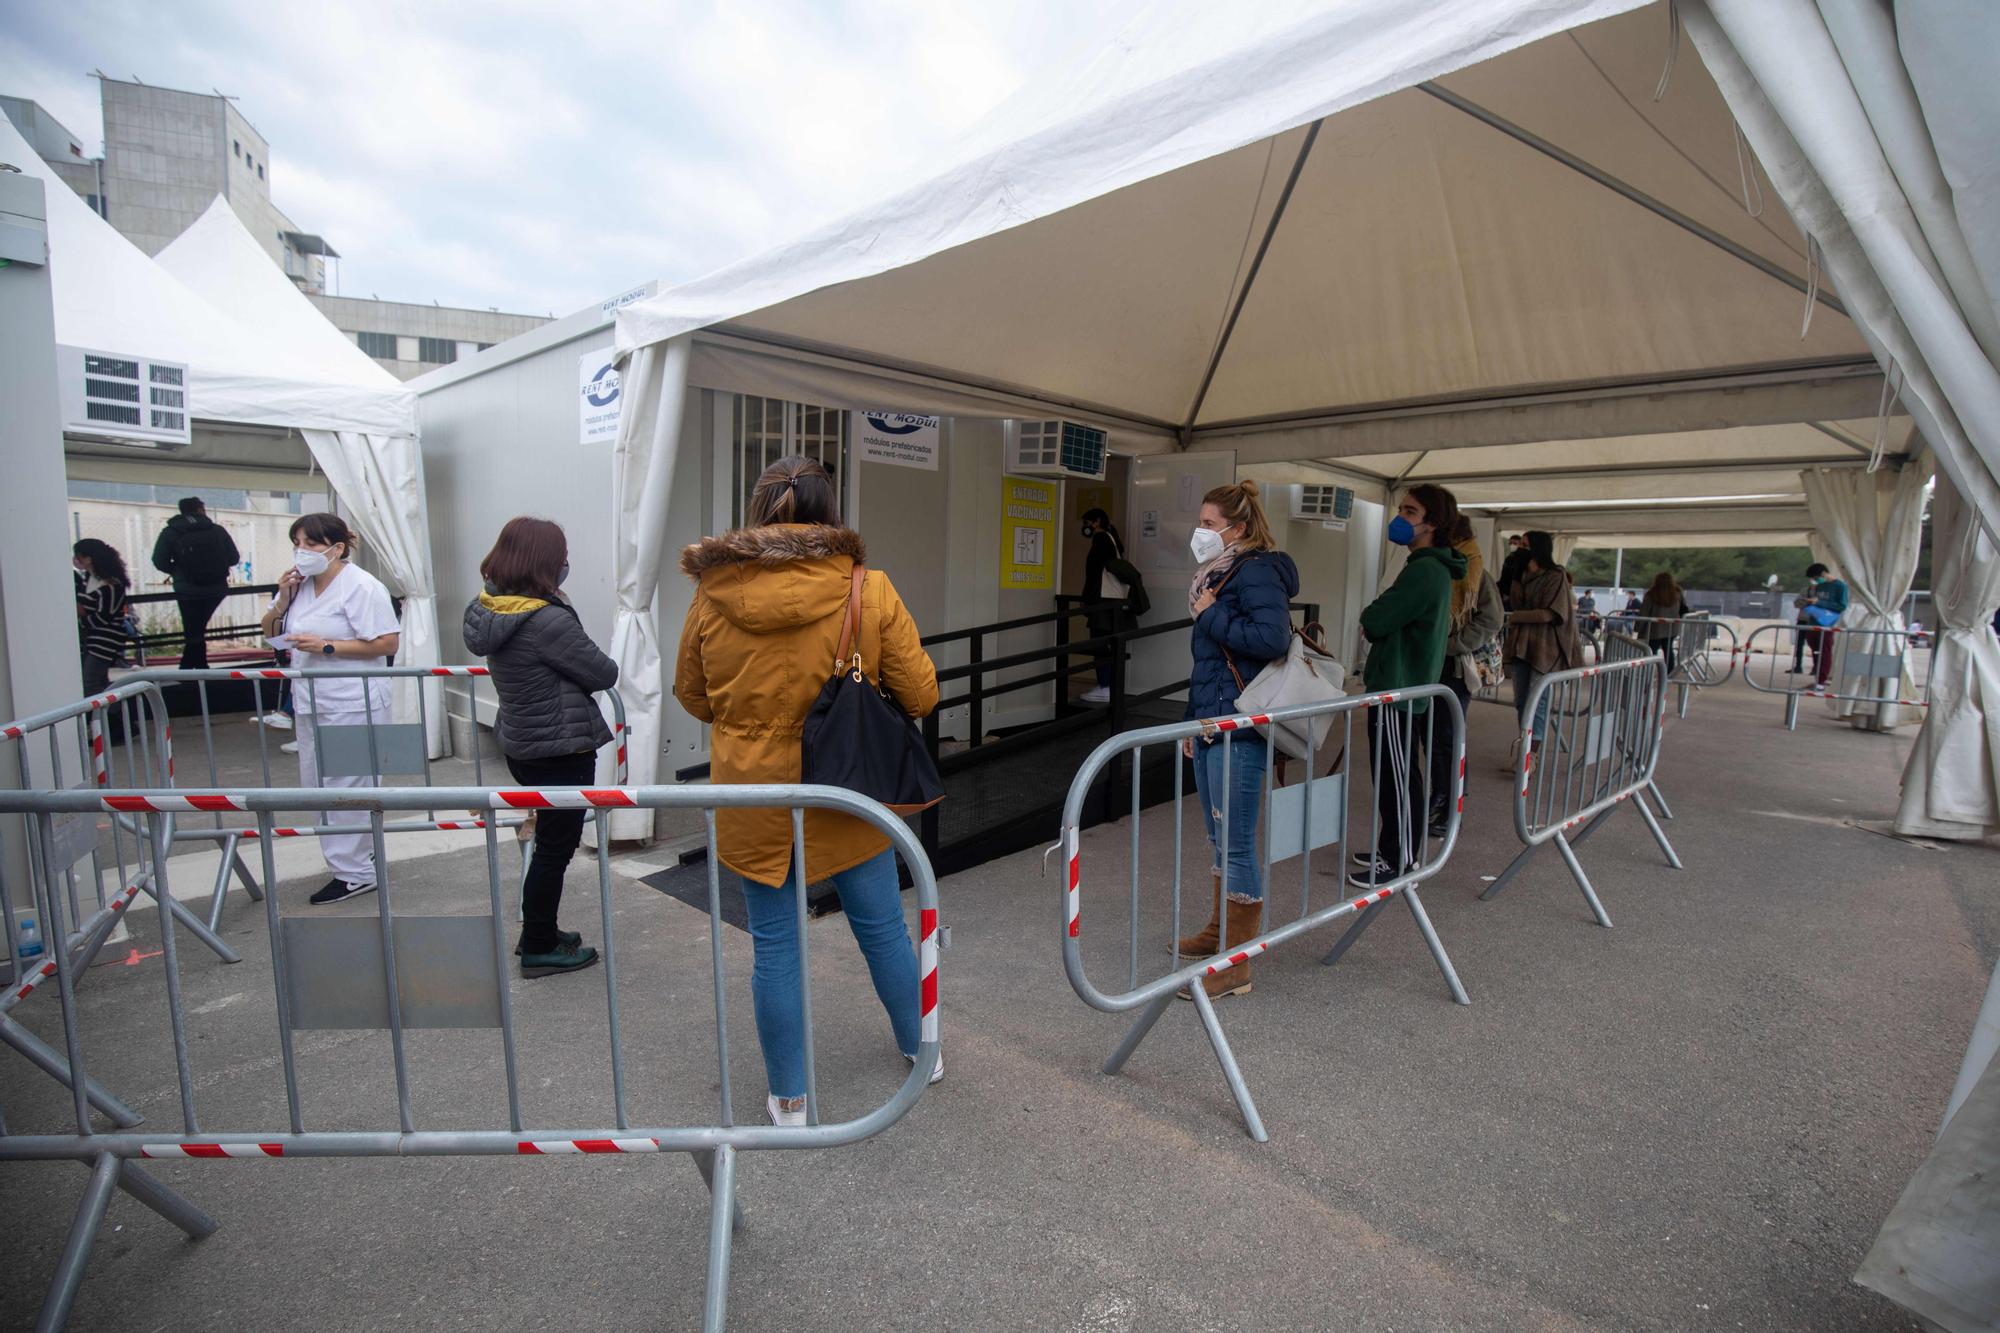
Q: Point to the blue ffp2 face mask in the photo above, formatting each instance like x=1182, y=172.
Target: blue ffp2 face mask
x=1401, y=531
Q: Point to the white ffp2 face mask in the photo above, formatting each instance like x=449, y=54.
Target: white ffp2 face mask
x=309, y=562
x=1206, y=543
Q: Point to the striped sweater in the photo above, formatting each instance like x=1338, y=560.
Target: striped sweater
x=100, y=613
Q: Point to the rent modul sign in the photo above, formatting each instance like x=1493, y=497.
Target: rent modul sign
x=897, y=438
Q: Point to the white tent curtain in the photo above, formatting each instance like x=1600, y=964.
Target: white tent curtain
x=1873, y=524
x=380, y=482
x=642, y=469
x=1565, y=548
x=1951, y=784
x=1876, y=128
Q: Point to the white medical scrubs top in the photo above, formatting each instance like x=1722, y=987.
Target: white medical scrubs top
x=354, y=606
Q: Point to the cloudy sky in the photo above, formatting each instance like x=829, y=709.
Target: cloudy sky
x=538, y=156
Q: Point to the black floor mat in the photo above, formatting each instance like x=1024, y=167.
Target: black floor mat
x=689, y=884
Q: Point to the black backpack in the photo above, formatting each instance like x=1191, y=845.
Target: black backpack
x=204, y=554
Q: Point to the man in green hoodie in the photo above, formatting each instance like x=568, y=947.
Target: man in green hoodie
x=1407, y=627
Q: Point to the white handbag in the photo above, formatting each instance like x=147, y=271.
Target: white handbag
x=1306, y=674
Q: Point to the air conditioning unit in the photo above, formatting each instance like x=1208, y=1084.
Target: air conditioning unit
x=121, y=397
x=1317, y=504
x=1056, y=449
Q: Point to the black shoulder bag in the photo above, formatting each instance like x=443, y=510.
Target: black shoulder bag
x=857, y=737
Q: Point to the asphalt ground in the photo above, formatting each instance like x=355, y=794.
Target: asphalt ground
x=1696, y=1119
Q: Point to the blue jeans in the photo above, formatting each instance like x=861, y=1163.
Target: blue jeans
x=1244, y=782
x=872, y=901
x=1525, y=677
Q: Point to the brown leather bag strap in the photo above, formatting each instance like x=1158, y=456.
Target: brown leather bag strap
x=850, y=623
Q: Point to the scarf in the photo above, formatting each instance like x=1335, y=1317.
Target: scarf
x=1211, y=575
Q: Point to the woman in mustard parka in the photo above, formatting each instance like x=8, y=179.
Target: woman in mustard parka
x=757, y=647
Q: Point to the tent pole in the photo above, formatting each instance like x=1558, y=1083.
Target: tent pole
x=1249, y=280
x=1636, y=195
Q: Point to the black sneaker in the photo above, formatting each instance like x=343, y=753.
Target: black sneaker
x=1372, y=875
x=569, y=937
x=339, y=890
x=565, y=957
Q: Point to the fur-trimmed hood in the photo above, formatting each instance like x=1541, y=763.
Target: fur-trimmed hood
x=776, y=577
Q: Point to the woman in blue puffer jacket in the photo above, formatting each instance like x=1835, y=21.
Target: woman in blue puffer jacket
x=1240, y=601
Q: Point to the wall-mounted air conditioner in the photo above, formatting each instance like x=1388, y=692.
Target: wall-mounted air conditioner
x=121, y=397
x=1055, y=449
x=1317, y=504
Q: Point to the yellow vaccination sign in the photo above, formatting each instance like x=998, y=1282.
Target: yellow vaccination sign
x=1027, y=533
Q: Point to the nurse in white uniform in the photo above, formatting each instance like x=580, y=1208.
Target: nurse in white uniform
x=335, y=616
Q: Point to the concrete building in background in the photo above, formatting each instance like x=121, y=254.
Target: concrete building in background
x=168, y=153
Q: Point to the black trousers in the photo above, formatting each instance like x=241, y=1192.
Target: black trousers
x=557, y=835
x=1395, y=741
x=1438, y=738
x=197, y=609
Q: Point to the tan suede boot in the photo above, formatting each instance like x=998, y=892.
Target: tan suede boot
x=1243, y=921
x=1206, y=941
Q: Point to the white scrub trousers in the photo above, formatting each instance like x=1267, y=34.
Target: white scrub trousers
x=350, y=856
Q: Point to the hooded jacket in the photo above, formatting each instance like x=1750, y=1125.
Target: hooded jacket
x=756, y=649
x=196, y=552
x=1407, y=626
x=1250, y=621
x=545, y=668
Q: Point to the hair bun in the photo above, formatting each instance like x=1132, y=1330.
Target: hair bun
x=1248, y=486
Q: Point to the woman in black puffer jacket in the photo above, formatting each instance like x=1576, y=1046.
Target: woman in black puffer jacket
x=545, y=669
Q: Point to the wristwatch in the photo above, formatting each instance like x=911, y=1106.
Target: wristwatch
x=327, y=648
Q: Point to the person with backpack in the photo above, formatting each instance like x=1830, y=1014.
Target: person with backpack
x=101, y=585
x=198, y=554
x=1108, y=577
x=1241, y=603
x=545, y=669
x=1408, y=628
x=770, y=602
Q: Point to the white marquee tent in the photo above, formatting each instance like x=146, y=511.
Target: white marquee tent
x=258, y=370
x=1519, y=248
x=1516, y=246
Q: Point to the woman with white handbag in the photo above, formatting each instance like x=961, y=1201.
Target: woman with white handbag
x=1241, y=603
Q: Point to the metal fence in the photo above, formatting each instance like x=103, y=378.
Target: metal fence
x=1876, y=667
x=1308, y=814
x=1599, y=745
x=399, y=973
x=1689, y=643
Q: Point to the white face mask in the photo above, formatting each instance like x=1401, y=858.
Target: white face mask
x=309, y=562
x=1206, y=543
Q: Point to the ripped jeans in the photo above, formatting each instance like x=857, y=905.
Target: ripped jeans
x=1242, y=779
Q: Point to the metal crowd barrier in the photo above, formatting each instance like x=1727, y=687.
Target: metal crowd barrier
x=1600, y=745
x=1696, y=637
x=1868, y=666
x=1297, y=818
x=403, y=972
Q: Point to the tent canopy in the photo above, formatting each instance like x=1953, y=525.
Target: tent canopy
x=1359, y=234
x=109, y=296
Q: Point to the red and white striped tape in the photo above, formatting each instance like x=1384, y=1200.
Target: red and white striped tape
x=36, y=976
x=558, y=1147
x=1074, y=898
x=596, y=798
x=167, y=747
x=173, y=804
x=618, y=734
x=212, y=1150
x=98, y=763
x=927, y=973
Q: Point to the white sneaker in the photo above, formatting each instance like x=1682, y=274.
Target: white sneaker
x=275, y=721
x=289, y=747
x=782, y=1116
x=1097, y=694
x=937, y=1074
